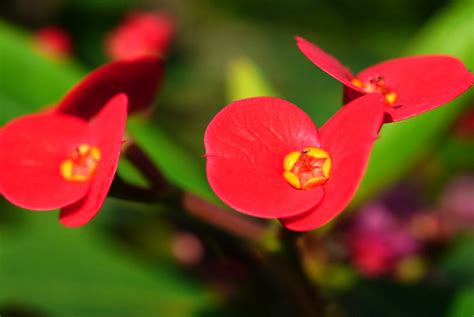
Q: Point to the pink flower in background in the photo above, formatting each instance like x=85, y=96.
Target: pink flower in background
x=377, y=241
x=432, y=226
x=458, y=201
x=141, y=34
x=371, y=256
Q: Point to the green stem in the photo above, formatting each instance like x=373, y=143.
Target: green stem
x=225, y=219
x=147, y=168
x=122, y=190
x=308, y=299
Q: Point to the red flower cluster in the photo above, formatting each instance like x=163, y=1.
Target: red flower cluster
x=141, y=34
x=378, y=241
x=266, y=158
x=67, y=157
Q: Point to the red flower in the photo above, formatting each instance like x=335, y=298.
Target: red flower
x=138, y=78
x=53, y=42
x=266, y=158
x=411, y=85
x=53, y=160
x=141, y=34
x=66, y=157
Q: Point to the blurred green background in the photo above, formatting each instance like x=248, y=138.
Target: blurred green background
x=129, y=261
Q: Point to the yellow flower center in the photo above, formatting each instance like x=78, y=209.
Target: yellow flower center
x=81, y=164
x=308, y=168
x=377, y=84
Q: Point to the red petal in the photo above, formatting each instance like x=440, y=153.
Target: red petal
x=245, y=146
x=107, y=131
x=141, y=34
x=32, y=149
x=348, y=137
x=138, y=78
x=421, y=83
x=326, y=62
x=53, y=41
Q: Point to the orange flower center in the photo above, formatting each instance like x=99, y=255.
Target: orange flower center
x=377, y=84
x=81, y=164
x=308, y=168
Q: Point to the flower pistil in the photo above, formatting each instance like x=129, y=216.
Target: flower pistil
x=308, y=168
x=81, y=164
x=377, y=84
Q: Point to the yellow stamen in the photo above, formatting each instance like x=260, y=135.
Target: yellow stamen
x=292, y=179
x=391, y=97
x=358, y=83
x=308, y=168
x=327, y=167
x=313, y=182
x=290, y=160
x=315, y=152
x=81, y=164
x=376, y=84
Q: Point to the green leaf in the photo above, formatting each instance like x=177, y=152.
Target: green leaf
x=458, y=263
x=379, y=297
x=77, y=272
x=180, y=167
x=245, y=80
x=463, y=304
x=402, y=144
x=28, y=80
x=457, y=154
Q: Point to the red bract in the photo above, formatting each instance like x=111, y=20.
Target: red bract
x=55, y=160
x=54, y=42
x=138, y=78
x=141, y=34
x=266, y=158
x=411, y=85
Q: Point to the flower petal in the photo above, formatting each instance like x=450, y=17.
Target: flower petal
x=138, y=78
x=141, y=34
x=421, y=83
x=32, y=149
x=246, y=143
x=107, y=132
x=326, y=62
x=348, y=137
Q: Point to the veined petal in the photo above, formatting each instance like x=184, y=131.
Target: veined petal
x=421, y=83
x=32, y=149
x=326, y=62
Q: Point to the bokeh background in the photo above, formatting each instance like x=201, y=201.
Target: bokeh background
x=404, y=248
